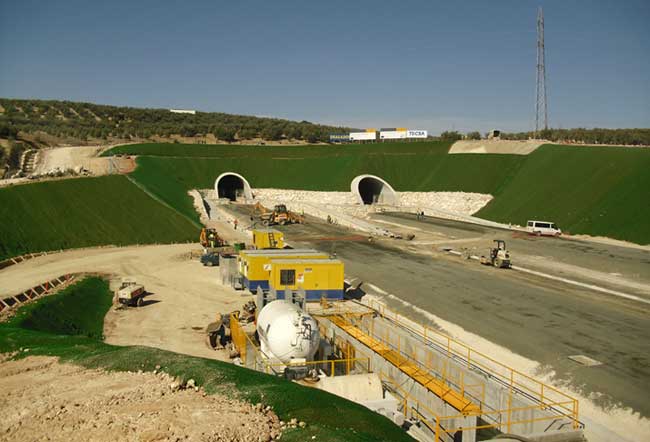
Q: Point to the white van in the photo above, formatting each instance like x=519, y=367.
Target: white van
x=543, y=228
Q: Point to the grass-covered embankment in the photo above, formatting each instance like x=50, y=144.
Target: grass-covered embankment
x=276, y=152
x=85, y=212
x=603, y=191
x=68, y=325
x=407, y=166
x=600, y=191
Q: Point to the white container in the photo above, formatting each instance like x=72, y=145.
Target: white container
x=287, y=332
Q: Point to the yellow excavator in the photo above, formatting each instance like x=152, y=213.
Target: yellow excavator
x=210, y=238
x=279, y=215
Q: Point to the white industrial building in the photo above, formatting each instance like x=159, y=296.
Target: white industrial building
x=400, y=133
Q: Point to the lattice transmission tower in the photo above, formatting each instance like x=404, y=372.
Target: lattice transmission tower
x=541, y=107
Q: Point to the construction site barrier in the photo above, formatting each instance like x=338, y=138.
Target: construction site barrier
x=39, y=290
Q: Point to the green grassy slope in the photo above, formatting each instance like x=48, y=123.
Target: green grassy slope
x=85, y=212
x=300, y=151
x=170, y=178
x=68, y=325
x=592, y=190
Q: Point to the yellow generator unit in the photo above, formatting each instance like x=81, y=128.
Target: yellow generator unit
x=268, y=239
x=318, y=278
x=255, y=265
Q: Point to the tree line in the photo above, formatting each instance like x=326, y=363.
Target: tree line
x=84, y=121
x=619, y=137
x=627, y=137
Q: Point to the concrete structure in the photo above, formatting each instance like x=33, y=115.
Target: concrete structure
x=509, y=401
x=232, y=185
x=370, y=189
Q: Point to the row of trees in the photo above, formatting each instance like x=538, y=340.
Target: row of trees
x=67, y=119
x=628, y=137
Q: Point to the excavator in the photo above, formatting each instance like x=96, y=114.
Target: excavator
x=279, y=215
x=209, y=238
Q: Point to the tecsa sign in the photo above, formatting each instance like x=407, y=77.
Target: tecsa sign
x=392, y=135
x=416, y=134
x=359, y=136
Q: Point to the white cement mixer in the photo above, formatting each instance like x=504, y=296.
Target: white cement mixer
x=287, y=332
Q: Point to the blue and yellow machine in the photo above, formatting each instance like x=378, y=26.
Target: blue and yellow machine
x=255, y=265
x=318, y=278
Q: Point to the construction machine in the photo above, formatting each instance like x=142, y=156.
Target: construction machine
x=498, y=256
x=209, y=238
x=279, y=215
x=130, y=293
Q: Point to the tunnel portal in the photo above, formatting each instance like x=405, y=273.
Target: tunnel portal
x=370, y=189
x=232, y=186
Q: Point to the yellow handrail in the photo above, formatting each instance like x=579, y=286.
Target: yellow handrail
x=473, y=357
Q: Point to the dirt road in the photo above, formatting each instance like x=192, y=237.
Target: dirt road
x=184, y=295
x=64, y=158
x=45, y=400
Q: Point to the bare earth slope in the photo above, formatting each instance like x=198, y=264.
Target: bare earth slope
x=45, y=400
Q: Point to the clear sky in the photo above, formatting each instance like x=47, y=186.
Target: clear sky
x=436, y=65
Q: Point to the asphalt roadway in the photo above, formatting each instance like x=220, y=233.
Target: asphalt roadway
x=542, y=320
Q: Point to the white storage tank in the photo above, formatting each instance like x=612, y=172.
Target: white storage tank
x=287, y=332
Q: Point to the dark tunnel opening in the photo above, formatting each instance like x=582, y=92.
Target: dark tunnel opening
x=370, y=189
x=230, y=186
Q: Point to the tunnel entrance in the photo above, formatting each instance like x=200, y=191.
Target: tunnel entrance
x=232, y=186
x=370, y=189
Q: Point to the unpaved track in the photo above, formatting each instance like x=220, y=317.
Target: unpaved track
x=185, y=296
x=542, y=320
x=64, y=158
x=46, y=400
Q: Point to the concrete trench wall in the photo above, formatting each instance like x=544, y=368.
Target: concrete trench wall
x=488, y=393
x=416, y=391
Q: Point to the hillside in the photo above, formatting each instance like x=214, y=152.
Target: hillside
x=85, y=212
x=597, y=191
x=51, y=122
x=591, y=190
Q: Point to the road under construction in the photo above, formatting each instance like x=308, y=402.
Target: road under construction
x=540, y=319
x=414, y=294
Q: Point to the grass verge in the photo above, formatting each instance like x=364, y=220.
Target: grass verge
x=68, y=325
x=85, y=212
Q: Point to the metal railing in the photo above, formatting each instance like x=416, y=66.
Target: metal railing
x=547, y=397
x=444, y=425
x=252, y=357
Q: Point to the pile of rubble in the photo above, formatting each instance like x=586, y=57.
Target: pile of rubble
x=461, y=203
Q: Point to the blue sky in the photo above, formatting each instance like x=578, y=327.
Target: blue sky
x=436, y=65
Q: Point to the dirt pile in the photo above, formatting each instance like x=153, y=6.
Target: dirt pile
x=45, y=400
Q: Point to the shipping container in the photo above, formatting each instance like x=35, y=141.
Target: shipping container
x=255, y=265
x=318, y=278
